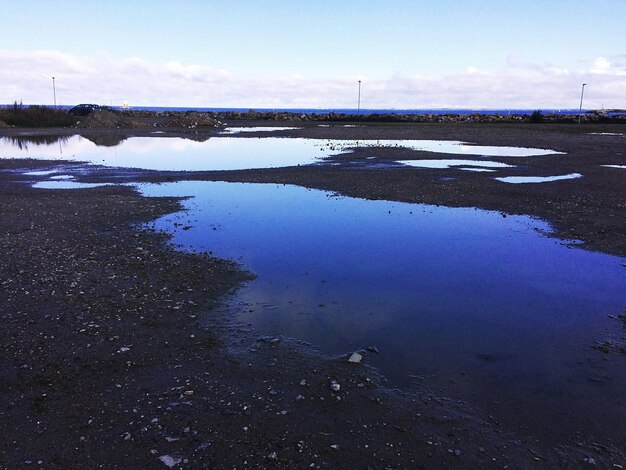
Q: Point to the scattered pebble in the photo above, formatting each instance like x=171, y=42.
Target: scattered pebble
x=355, y=358
x=170, y=461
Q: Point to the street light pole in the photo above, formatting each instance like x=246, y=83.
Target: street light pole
x=580, y=110
x=54, y=91
x=358, y=109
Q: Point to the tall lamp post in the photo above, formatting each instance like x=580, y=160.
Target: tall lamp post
x=580, y=110
x=358, y=106
x=54, y=92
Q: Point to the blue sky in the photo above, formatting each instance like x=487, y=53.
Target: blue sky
x=310, y=54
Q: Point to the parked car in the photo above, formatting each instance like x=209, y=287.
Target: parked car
x=83, y=109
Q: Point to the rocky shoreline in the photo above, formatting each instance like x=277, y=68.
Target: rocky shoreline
x=116, y=352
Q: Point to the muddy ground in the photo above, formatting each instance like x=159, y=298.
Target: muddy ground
x=115, y=353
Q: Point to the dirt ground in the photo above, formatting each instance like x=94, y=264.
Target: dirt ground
x=115, y=352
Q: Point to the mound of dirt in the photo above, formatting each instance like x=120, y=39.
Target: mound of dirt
x=192, y=120
x=105, y=119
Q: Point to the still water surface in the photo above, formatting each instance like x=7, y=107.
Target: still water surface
x=482, y=307
x=222, y=153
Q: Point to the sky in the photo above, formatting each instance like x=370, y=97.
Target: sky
x=311, y=54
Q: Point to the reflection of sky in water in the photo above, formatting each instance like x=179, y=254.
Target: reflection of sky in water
x=227, y=153
x=538, y=179
x=453, y=294
x=40, y=173
x=452, y=147
x=66, y=185
x=239, y=130
x=223, y=153
x=478, y=170
x=449, y=163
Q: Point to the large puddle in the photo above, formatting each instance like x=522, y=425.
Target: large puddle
x=222, y=153
x=482, y=307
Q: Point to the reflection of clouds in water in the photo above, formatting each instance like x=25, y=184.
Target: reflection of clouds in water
x=238, y=130
x=537, y=179
x=226, y=153
x=448, y=163
x=39, y=173
x=478, y=170
x=67, y=185
x=444, y=146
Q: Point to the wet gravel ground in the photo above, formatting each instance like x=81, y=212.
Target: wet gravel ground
x=115, y=352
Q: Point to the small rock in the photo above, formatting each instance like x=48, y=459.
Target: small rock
x=170, y=461
x=303, y=382
x=334, y=446
x=334, y=386
x=373, y=349
x=355, y=358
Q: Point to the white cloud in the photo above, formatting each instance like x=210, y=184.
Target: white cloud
x=601, y=65
x=104, y=79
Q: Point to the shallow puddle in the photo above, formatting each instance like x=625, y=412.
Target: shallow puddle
x=40, y=173
x=454, y=147
x=451, y=163
x=162, y=153
x=239, y=130
x=478, y=306
x=537, y=179
x=222, y=153
x=67, y=185
x=478, y=170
